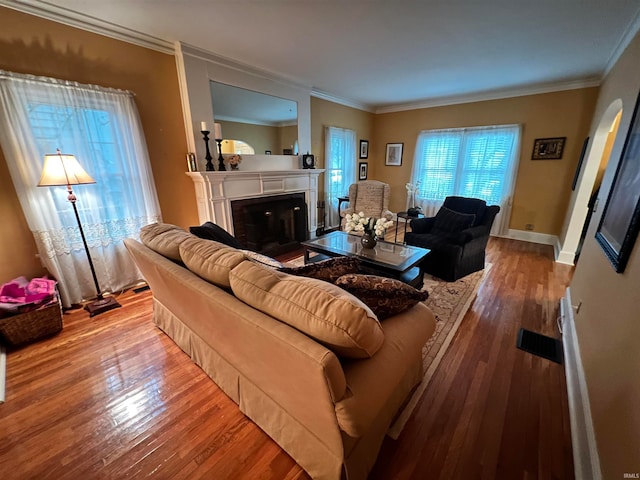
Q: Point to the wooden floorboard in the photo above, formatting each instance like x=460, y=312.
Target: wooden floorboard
x=113, y=397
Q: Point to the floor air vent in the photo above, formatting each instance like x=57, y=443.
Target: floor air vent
x=540, y=345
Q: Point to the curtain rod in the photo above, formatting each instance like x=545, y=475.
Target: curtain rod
x=25, y=77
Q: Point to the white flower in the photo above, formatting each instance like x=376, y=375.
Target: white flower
x=357, y=222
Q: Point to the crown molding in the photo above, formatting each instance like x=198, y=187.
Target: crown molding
x=197, y=52
x=493, y=95
x=625, y=39
x=65, y=16
x=342, y=101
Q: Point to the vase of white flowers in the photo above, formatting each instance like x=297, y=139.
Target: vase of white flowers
x=234, y=161
x=413, y=210
x=370, y=227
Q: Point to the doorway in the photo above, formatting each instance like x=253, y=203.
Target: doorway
x=584, y=201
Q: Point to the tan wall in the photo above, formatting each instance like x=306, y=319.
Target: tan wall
x=260, y=137
x=329, y=114
x=29, y=44
x=542, y=187
x=608, y=322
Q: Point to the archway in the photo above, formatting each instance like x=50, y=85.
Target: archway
x=577, y=213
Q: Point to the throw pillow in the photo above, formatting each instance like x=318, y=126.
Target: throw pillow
x=262, y=259
x=318, y=309
x=211, y=231
x=448, y=221
x=328, y=270
x=385, y=296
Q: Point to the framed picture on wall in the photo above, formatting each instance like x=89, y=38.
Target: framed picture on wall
x=394, y=154
x=363, y=170
x=548, y=148
x=620, y=220
x=364, y=148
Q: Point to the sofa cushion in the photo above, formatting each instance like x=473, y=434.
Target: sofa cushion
x=322, y=311
x=467, y=205
x=447, y=221
x=385, y=296
x=164, y=238
x=211, y=231
x=328, y=270
x=210, y=260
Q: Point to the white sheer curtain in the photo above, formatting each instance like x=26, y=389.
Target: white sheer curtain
x=340, y=161
x=471, y=162
x=102, y=129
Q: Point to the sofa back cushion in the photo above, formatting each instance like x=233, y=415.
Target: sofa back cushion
x=322, y=311
x=164, y=238
x=210, y=260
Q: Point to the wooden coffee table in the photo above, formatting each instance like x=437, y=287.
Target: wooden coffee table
x=386, y=259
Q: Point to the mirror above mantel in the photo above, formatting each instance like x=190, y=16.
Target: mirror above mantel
x=268, y=124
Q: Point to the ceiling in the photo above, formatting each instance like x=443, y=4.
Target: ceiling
x=388, y=54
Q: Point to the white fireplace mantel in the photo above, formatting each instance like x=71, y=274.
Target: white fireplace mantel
x=216, y=190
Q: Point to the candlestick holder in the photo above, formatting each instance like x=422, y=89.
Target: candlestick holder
x=209, y=164
x=221, y=166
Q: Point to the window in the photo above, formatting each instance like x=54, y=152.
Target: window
x=101, y=128
x=470, y=162
x=340, y=152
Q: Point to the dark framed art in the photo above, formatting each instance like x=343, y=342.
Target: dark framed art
x=620, y=220
x=579, y=167
x=393, y=156
x=548, y=148
x=363, y=170
x=364, y=148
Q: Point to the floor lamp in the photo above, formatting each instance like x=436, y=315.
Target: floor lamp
x=63, y=169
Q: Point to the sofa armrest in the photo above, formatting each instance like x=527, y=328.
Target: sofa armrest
x=422, y=225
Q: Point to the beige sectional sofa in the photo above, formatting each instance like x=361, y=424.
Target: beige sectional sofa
x=326, y=396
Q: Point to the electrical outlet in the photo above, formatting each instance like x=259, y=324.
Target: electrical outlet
x=529, y=227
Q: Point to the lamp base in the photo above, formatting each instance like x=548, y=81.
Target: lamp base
x=101, y=305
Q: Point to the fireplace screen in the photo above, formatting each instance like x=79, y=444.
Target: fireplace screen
x=270, y=225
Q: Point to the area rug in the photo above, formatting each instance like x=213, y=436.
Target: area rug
x=449, y=302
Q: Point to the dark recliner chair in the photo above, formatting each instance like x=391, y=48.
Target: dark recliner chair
x=457, y=237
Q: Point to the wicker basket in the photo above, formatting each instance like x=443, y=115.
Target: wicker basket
x=31, y=326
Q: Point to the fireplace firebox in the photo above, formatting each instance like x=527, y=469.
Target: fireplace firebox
x=270, y=225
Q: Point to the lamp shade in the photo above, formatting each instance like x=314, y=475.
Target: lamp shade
x=62, y=169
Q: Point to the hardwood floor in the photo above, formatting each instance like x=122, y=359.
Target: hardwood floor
x=113, y=397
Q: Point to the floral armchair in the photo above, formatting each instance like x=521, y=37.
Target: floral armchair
x=370, y=197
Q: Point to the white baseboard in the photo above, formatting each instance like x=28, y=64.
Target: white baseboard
x=3, y=370
x=562, y=256
x=533, y=237
x=585, y=452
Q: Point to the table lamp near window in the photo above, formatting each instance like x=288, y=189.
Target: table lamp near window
x=63, y=169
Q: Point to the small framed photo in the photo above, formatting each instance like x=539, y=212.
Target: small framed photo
x=548, y=148
x=192, y=164
x=394, y=154
x=364, y=149
x=363, y=170
x=267, y=152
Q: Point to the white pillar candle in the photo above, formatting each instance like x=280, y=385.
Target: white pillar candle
x=203, y=127
x=217, y=130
